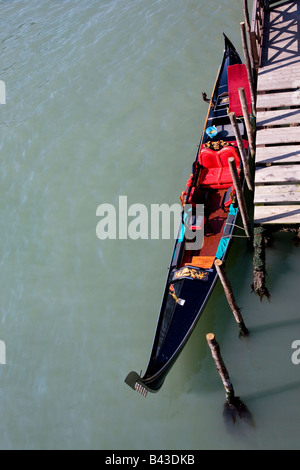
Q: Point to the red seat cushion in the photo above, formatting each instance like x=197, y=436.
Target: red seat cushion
x=226, y=153
x=225, y=177
x=210, y=176
x=209, y=158
x=216, y=173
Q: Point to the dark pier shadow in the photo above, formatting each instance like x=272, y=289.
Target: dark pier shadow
x=281, y=42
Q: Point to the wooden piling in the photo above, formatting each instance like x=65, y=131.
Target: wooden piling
x=242, y=150
x=297, y=237
x=230, y=297
x=234, y=408
x=248, y=29
x=216, y=354
x=248, y=66
x=259, y=267
x=240, y=196
x=250, y=130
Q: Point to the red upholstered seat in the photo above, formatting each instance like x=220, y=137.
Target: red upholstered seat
x=209, y=159
x=216, y=172
x=226, y=153
x=210, y=176
x=226, y=177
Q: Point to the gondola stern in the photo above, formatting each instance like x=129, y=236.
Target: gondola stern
x=135, y=381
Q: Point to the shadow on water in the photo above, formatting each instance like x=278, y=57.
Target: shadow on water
x=273, y=391
x=275, y=325
x=197, y=374
x=238, y=418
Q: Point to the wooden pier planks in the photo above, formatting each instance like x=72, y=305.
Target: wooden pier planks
x=275, y=136
x=272, y=194
x=283, y=215
x=277, y=100
x=277, y=154
x=277, y=117
x=280, y=48
x=277, y=172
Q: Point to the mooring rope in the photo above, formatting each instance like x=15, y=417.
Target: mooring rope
x=235, y=236
x=234, y=225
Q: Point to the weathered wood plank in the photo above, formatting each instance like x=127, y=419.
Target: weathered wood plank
x=277, y=186
x=278, y=100
x=291, y=62
x=280, y=64
x=283, y=52
x=287, y=214
x=281, y=194
x=278, y=117
x=282, y=19
x=271, y=2
x=280, y=135
x=276, y=174
x=281, y=154
x=282, y=81
x=288, y=60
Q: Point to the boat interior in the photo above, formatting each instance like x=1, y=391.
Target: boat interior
x=211, y=183
x=214, y=189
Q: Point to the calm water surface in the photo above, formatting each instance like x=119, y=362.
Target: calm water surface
x=103, y=98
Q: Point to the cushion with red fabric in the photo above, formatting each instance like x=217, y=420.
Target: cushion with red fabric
x=226, y=153
x=225, y=177
x=238, y=78
x=216, y=173
x=210, y=176
x=209, y=158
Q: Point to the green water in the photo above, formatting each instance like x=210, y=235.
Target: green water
x=103, y=98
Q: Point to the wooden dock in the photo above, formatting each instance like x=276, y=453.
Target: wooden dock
x=277, y=161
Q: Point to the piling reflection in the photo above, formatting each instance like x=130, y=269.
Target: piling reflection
x=235, y=413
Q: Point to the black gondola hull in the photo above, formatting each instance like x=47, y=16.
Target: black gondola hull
x=189, y=286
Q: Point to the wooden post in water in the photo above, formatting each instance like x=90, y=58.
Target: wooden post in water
x=234, y=408
x=241, y=149
x=240, y=196
x=230, y=297
x=248, y=28
x=216, y=354
x=259, y=266
x=248, y=66
x=250, y=131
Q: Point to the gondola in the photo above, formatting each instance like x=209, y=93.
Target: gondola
x=192, y=274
